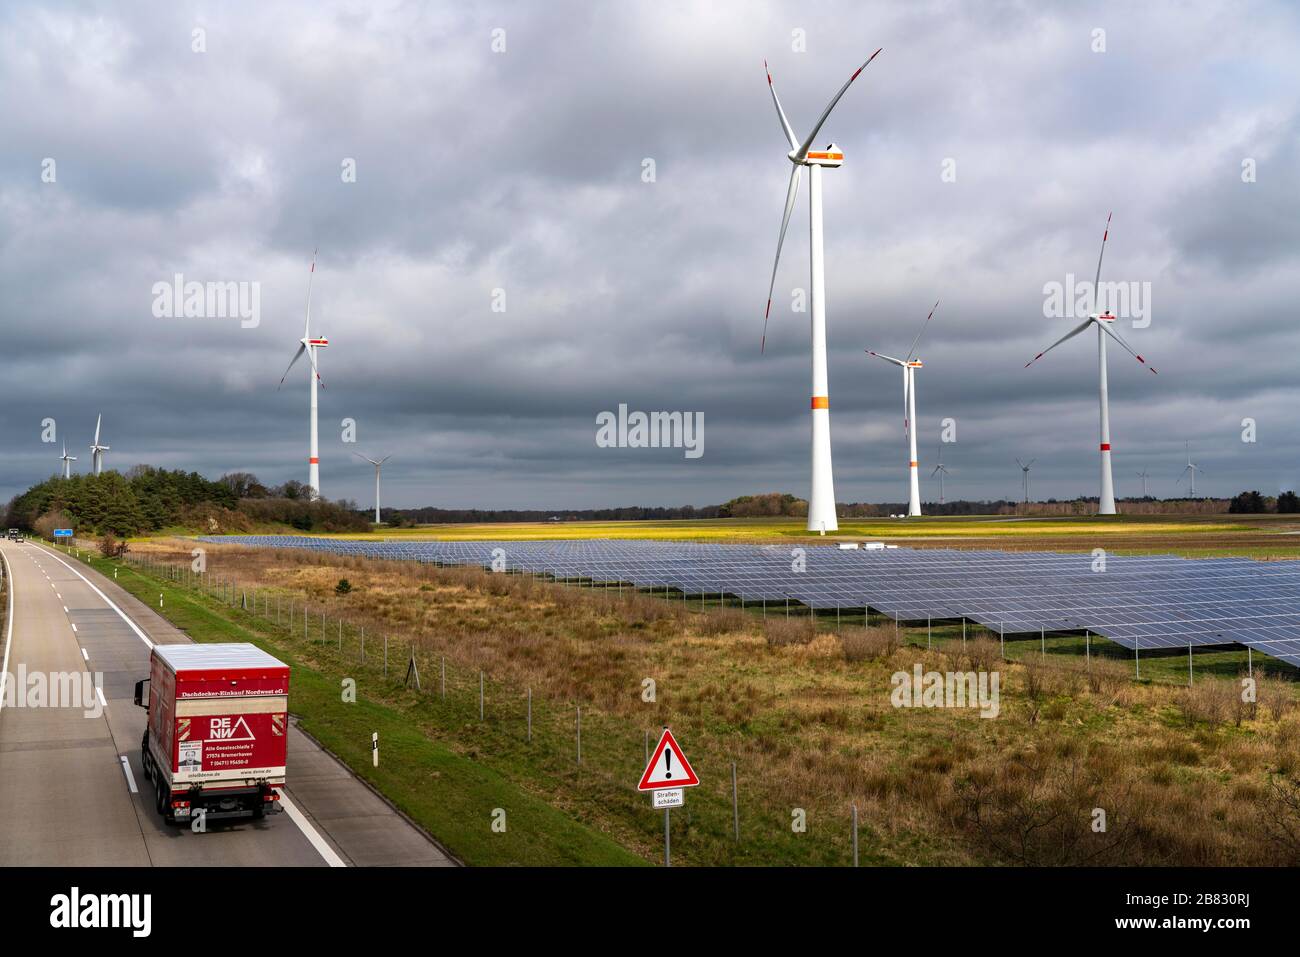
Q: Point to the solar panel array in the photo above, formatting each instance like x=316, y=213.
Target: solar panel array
x=1156, y=601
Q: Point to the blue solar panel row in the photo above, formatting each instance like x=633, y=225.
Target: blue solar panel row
x=1156, y=601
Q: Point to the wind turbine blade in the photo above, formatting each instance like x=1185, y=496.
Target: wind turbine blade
x=302, y=347
x=881, y=355
x=1031, y=462
x=791, y=192
x=311, y=357
x=1069, y=335
x=383, y=460
x=907, y=387
x=785, y=124
x=1096, y=296
x=98, y=420
x=807, y=144
x=1105, y=327
x=911, y=353
x=306, y=325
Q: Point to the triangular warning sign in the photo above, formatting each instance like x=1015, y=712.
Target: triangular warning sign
x=668, y=767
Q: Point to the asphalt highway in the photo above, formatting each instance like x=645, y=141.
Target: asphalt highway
x=72, y=791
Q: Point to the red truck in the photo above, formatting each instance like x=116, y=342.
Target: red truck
x=216, y=737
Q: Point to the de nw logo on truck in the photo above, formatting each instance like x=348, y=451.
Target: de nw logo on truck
x=229, y=729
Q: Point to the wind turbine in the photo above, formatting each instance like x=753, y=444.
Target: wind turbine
x=1104, y=322
x=1025, y=467
x=67, y=461
x=1143, y=476
x=909, y=367
x=309, y=345
x=821, y=499
x=96, y=450
x=941, y=471
x=1189, y=472
x=377, y=465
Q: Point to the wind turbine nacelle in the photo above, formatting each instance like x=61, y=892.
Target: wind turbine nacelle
x=1102, y=317
x=915, y=364
x=318, y=343
x=830, y=156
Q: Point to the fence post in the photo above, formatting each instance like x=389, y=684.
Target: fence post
x=579, y=732
x=735, y=803
x=855, y=835
x=385, y=656
x=480, y=695
x=444, y=677
x=530, y=715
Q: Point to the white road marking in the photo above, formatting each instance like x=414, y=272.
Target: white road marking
x=130, y=778
x=84, y=653
x=295, y=815
x=309, y=832
x=108, y=601
x=9, y=630
x=74, y=626
x=100, y=692
x=65, y=609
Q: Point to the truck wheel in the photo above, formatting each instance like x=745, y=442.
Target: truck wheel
x=164, y=800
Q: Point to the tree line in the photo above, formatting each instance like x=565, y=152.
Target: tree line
x=148, y=499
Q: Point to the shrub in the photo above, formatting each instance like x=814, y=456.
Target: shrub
x=343, y=587
x=868, y=644
x=109, y=546
x=789, y=631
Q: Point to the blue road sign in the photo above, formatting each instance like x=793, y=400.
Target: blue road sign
x=63, y=533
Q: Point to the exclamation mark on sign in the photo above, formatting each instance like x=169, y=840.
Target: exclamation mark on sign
x=668, y=762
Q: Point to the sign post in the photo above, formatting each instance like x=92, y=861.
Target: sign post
x=667, y=774
x=63, y=533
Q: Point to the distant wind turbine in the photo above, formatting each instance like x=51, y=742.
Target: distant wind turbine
x=309, y=344
x=940, y=470
x=1104, y=322
x=96, y=450
x=1189, y=472
x=67, y=461
x=909, y=367
x=1025, y=467
x=1143, y=476
x=377, y=465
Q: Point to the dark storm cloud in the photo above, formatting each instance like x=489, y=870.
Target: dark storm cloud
x=522, y=171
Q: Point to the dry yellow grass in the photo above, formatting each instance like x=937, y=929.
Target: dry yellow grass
x=1183, y=776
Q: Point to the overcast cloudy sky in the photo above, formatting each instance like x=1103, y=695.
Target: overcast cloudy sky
x=522, y=171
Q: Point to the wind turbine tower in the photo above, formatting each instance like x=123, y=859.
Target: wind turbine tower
x=1189, y=473
x=821, y=498
x=941, y=471
x=377, y=464
x=96, y=450
x=909, y=367
x=309, y=344
x=1105, y=323
x=1024, y=468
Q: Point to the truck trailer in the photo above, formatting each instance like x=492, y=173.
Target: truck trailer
x=215, y=742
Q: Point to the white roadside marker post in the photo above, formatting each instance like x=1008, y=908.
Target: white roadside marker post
x=374, y=747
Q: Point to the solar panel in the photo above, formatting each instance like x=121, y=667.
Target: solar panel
x=1140, y=602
